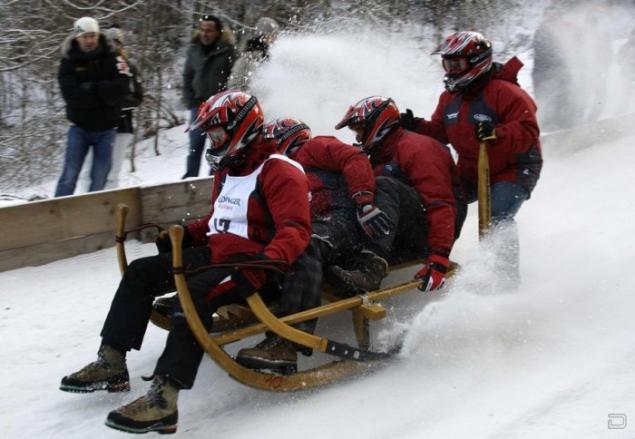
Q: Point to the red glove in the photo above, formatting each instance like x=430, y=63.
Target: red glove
x=432, y=274
x=243, y=282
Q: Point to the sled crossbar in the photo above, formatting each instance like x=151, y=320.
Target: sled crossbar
x=324, y=310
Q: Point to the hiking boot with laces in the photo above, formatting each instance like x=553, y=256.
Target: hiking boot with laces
x=273, y=353
x=109, y=373
x=365, y=274
x=155, y=411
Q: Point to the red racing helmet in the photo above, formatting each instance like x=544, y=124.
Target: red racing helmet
x=466, y=56
x=231, y=120
x=371, y=119
x=289, y=133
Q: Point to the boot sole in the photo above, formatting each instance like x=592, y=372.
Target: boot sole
x=156, y=428
x=100, y=386
x=283, y=368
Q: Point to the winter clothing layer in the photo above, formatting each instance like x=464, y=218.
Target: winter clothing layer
x=93, y=84
x=279, y=224
x=425, y=164
x=326, y=153
x=409, y=239
x=495, y=98
x=206, y=70
x=79, y=142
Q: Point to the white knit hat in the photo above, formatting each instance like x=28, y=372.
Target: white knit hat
x=85, y=25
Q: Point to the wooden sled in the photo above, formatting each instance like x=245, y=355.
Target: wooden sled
x=349, y=360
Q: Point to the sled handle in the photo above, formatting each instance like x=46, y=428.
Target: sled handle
x=484, y=192
x=120, y=235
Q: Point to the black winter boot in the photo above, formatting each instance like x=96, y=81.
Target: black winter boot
x=365, y=273
x=109, y=373
x=155, y=411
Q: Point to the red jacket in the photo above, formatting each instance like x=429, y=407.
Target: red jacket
x=278, y=213
x=326, y=153
x=515, y=155
x=426, y=165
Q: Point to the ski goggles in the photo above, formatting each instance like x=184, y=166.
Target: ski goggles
x=454, y=66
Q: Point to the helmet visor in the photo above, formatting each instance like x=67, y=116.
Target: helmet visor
x=218, y=138
x=455, y=66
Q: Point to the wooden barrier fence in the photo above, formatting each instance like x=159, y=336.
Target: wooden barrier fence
x=44, y=231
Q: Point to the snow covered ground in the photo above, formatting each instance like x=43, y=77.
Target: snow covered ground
x=553, y=360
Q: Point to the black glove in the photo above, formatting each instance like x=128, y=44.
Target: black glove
x=485, y=132
x=407, y=120
x=164, y=245
x=374, y=221
x=87, y=87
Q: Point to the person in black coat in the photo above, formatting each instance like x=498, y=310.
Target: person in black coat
x=93, y=80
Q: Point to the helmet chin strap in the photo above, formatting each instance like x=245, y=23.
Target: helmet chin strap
x=233, y=162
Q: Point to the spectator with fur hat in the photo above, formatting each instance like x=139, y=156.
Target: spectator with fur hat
x=93, y=80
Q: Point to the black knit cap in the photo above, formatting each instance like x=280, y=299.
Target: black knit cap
x=212, y=18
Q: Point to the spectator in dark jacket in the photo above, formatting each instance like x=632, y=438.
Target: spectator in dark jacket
x=207, y=67
x=132, y=99
x=94, y=81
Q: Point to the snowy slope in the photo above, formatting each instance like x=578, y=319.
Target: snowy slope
x=552, y=361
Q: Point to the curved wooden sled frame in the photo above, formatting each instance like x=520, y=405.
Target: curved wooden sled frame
x=355, y=360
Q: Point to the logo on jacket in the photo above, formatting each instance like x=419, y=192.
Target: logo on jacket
x=479, y=117
x=227, y=200
x=450, y=116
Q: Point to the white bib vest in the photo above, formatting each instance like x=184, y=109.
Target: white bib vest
x=230, y=208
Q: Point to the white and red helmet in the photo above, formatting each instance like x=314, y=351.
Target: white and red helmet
x=289, y=133
x=371, y=119
x=466, y=56
x=231, y=120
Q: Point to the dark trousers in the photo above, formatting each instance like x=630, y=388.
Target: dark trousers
x=130, y=310
x=408, y=239
x=197, y=144
x=302, y=286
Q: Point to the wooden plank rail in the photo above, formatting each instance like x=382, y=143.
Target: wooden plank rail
x=43, y=231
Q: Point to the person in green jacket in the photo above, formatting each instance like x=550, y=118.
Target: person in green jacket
x=207, y=67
